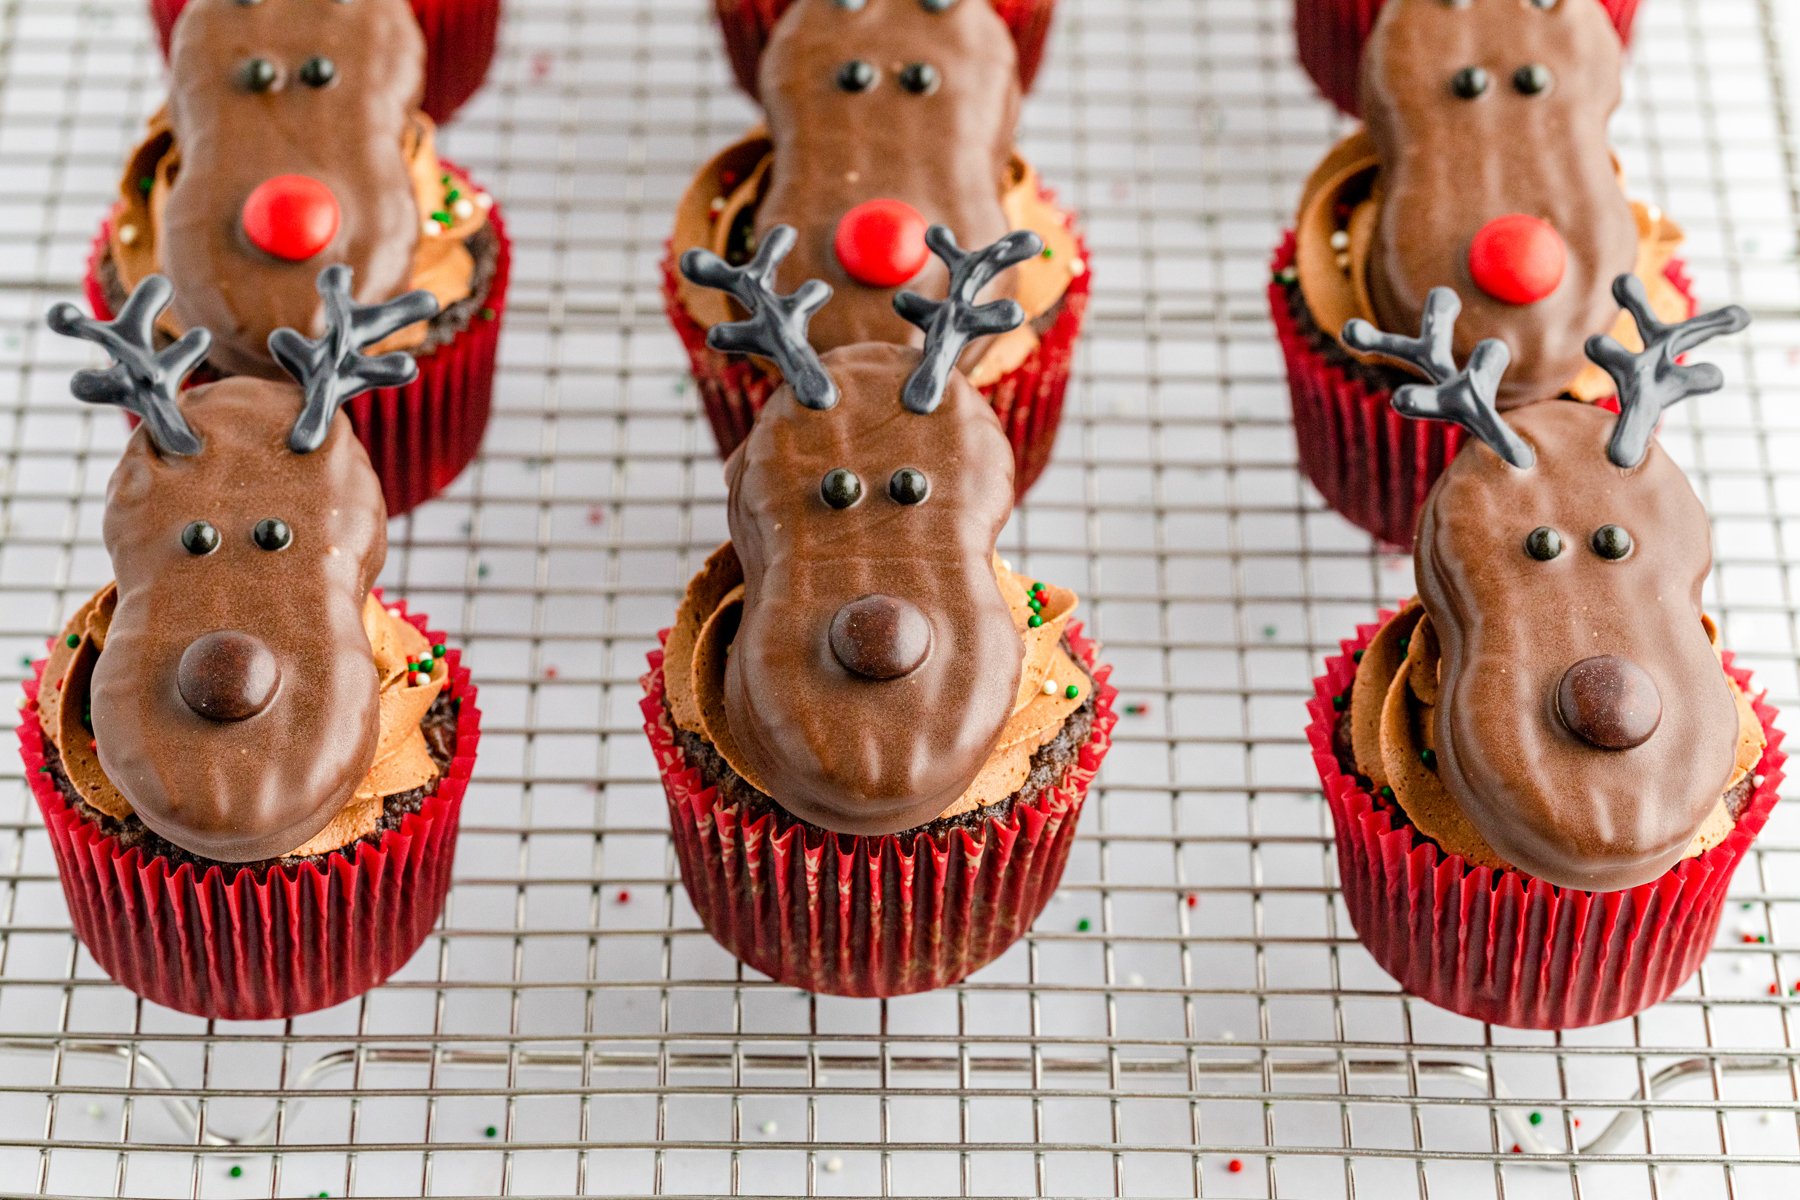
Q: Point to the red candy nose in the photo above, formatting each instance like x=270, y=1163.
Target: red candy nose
x=291, y=217
x=1518, y=259
x=882, y=243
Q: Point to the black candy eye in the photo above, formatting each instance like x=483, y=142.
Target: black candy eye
x=1532, y=79
x=317, y=72
x=1470, y=82
x=200, y=539
x=258, y=75
x=272, y=534
x=1611, y=542
x=909, y=486
x=840, y=488
x=856, y=76
x=1543, y=543
x=919, y=78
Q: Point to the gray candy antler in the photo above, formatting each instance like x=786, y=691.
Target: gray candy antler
x=776, y=329
x=142, y=380
x=1651, y=381
x=1465, y=397
x=332, y=369
x=950, y=324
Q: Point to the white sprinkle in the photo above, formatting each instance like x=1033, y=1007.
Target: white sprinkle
x=128, y=234
x=1340, y=240
x=420, y=679
x=1228, y=1036
x=1077, y=267
x=833, y=1165
x=1049, y=687
x=1134, y=979
x=484, y=200
x=393, y=612
x=1007, y=565
x=429, y=228
x=769, y=1128
x=718, y=204
x=463, y=209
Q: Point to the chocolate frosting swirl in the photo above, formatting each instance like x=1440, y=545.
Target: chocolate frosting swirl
x=1452, y=164
x=841, y=750
x=1512, y=626
x=257, y=787
x=946, y=151
x=347, y=135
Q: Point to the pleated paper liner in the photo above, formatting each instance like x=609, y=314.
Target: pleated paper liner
x=422, y=436
x=460, y=38
x=746, y=25
x=1498, y=945
x=1028, y=400
x=238, y=944
x=870, y=916
x=1372, y=465
x=1329, y=36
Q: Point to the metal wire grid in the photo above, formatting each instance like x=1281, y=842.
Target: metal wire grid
x=1193, y=1016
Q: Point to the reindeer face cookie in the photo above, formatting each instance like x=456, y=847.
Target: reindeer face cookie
x=290, y=116
x=235, y=703
x=1579, y=718
x=876, y=662
x=1489, y=118
x=887, y=116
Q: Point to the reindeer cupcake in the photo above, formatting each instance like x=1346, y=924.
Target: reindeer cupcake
x=1543, y=770
x=856, y=682
x=251, y=767
x=292, y=141
x=1484, y=166
x=884, y=118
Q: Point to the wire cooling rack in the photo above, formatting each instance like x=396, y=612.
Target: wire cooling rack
x=1193, y=1016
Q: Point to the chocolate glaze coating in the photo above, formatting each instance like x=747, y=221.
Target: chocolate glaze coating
x=347, y=135
x=945, y=152
x=257, y=787
x=839, y=750
x=1450, y=165
x=1511, y=627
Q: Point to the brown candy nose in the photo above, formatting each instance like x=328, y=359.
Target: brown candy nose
x=227, y=676
x=880, y=637
x=1609, y=702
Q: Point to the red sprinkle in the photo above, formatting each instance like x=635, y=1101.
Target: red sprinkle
x=624, y=896
x=1774, y=989
x=1750, y=939
x=1516, y=1149
x=549, y=672
x=1193, y=901
x=1235, y=1165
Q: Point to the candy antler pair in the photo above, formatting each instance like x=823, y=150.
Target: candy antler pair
x=776, y=329
x=1649, y=382
x=331, y=370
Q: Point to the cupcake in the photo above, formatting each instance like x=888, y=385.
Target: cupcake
x=1530, y=235
x=460, y=36
x=855, y=158
x=1329, y=35
x=749, y=24
x=1543, y=770
x=251, y=767
x=875, y=737
x=289, y=143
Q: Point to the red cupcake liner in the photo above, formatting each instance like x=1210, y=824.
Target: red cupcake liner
x=249, y=945
x=746, y=25
x=1329, y=35
x=1501, y=946
x=1028, y=400
x=1372, y=465
x=460, y=38
x=870, y=916
x=422, y=436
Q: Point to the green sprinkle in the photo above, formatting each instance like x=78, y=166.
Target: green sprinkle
x=1035, y=621
x=1083, y=925
x=425, y=665
x=452, y=196
x=1037, y=587
x=145, y=184
x=236, y=1172
x=1536, y=1118
x=25, y=661
x=1429, y=758
x=1356, y=657
x=1049, y=253
x=1037, y=605
x=437, y=651
x=444, y=179
x=72, y=641
x=491, y=1131
x=43, y=770
x=1404, y=643
x=488, y=314
x=1269, y=631
x=1761, y=938
x=1341, y=701
x=1387, y=793
x=1071, y=691
x=444, y=219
